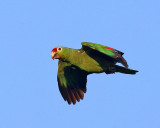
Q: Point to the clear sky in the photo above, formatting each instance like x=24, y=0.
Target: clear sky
x=29, y=95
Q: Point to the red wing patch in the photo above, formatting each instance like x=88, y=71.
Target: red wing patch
x=108, y=48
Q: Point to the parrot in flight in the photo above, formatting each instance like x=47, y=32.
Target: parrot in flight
x=75, y=64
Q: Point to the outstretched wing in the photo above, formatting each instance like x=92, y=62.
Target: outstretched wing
x=71, y=81
x=112, y=53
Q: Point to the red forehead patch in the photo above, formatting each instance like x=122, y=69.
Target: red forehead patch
x=54, y=50
x=108, y=48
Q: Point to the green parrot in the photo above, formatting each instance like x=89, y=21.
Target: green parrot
x=75, y=64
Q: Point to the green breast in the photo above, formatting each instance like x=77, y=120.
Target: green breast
x=89, y=63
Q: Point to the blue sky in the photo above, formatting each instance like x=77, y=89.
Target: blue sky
x=29, y=95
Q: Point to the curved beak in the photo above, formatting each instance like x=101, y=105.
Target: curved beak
x=53, y=54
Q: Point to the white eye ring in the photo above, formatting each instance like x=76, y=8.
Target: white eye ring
x=59, y=49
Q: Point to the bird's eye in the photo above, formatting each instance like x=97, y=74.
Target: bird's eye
x=59, y=49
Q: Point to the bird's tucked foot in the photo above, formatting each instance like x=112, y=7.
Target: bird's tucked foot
x=110, y=70
x=81, y=51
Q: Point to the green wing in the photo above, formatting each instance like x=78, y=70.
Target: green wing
x=112, y=53
x=71, y=81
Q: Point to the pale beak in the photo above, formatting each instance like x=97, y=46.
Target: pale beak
x=53, y=54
